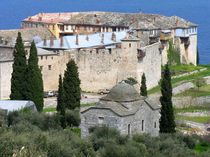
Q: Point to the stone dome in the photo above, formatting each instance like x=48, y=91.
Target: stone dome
x=122, y=92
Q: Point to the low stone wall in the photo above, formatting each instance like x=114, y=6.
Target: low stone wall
x=188, y=101
x=189, y=73
x=183, y=87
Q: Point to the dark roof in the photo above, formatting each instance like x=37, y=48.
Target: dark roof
x=27, y=34
x=124, y=100
x=131, y=20
x=122, y=92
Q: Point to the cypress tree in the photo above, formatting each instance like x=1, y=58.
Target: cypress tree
x=19, y=69
x=167, y=123
x=60, y=103
x=71, y=85
x=198, y=58
x=34, y=82
x=143, y=88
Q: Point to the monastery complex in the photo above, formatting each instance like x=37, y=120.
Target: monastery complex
x=107, y=47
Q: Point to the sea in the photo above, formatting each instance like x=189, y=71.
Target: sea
x=12, y=12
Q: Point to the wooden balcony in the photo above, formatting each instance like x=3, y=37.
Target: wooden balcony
x=165, y=37
x=152, y=41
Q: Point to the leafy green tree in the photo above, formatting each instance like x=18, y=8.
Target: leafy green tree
x=143, y=88
x=34, y=82
x=131, y=81
x=199, y=82
x=71, y=85
x=173, y=55
x=19, y=69
x=60, y=103
x=167, y=123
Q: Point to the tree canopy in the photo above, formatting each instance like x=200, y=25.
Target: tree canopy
x=19, y=70
x=167, y=123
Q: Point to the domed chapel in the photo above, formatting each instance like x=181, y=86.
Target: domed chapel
x=124, y=109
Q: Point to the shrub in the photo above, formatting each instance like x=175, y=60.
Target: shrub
x=73, y=117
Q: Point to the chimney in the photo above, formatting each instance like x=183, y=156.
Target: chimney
x=127, y=35
x=102, y=38
x=40, y=18
x=77, y=39
x=87, y=38
x=61, y=44
x=137, y=24
x=177, y=22
x=140, y=12
x=51, y=41
x=113, y=37
x=45, y=42
x=153, y=21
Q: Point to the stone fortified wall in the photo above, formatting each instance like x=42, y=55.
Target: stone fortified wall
x=104, y=68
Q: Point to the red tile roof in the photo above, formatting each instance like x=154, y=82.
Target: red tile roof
x=51, y=17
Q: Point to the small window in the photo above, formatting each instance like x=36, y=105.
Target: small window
x=41, y=57
x=110, y=51
x=49, y=67
x=46, y=57
x=41, y=67
x=155, y=125
x=26, y=52
x=129, y=44
x=100, y=120
x=142, y=127
x=53, y=27
x=90, y=52
x=51, y=57
x=97, y=52
x=129, y=129
x=67, y=27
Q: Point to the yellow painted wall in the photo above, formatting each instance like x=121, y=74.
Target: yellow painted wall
x=55, y=31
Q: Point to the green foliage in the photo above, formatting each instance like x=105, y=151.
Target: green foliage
x=34, y=82
x=131, y=81
x=143, y=88
x=183, y=68
x=19, y=71
x=173, y=55
x=199, y=82
x=76, y=131
x=194, y=92
x=38, y=134
x=167, y=123
x=71, y=85
x=49, y=110
x=198, y=58
x=61, y=109
x=73, y=117
x=203, y=120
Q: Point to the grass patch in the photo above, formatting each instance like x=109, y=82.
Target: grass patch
x=154, y=90
x=194, y=92
x=193, y=76
x=49, y=109
x=183, y=68
x=203, y=120
x=202, y=147
x=86, y=105
x=184, y=79
x=204, y=107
